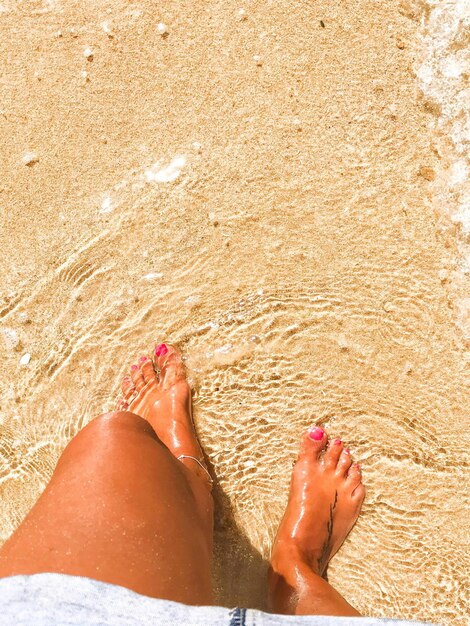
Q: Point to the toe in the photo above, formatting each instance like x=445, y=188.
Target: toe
x=354, y=476
x=344, y=462
x=148, y=371
x=127, y=387
x=122, y=405
x=314, y=441
x=137, y=377
x=359, y=494
x=169, y=362
x=333, y=453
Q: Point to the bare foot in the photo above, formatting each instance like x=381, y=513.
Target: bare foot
x=159, y=392
x=325, y=499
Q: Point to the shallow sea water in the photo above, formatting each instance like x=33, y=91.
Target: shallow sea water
x=443, y=69
x=261, y=192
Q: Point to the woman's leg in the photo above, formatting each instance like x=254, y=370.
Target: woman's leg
x=120, y=507
x=325, y=499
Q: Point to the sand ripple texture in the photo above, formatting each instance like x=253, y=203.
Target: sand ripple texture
x=257, y=189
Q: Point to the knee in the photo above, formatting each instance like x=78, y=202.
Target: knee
x=109, y=435
x=115, y=422
x=115, y=426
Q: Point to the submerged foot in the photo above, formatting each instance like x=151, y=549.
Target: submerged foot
x=325, y=499
x=159, y=392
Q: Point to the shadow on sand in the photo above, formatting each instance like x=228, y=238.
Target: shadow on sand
x=240, y=571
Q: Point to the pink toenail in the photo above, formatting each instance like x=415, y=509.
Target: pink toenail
x=134, y=367
x=347, y=451
x=337, y=442
x=161, y=349
x=316, y=433
x=142, y=359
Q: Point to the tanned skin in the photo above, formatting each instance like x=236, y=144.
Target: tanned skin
x=128, y=505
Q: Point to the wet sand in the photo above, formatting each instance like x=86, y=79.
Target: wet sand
x=258, y=189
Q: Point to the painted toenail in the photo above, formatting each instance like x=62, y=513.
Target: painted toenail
x=142, y=359
x=316, y=433
x=337, y=442
x=134, y=367
x=347, y=451
x=161, y=349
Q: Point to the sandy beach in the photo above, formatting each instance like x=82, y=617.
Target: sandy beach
x=258, y=187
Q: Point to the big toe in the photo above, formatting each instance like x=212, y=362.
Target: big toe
x=313, y=442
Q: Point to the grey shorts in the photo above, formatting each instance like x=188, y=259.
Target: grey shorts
x=58, y=599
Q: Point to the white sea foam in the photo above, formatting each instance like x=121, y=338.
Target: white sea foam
x=166, y=174
x=107, y=204
x=153, y=275
x=136, y=179
x=25, y=359
x=443, y=69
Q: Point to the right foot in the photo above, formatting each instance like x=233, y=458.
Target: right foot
x=325, y=499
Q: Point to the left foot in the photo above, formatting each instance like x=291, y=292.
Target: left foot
x=164, y=400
